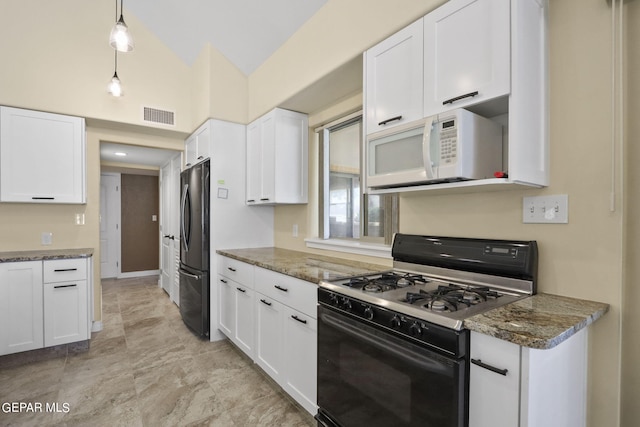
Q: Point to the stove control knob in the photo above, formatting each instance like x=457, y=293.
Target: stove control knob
x=415, y=329
x=396, y=322
x=334, y=299
x=368, y=312
x=346, y=303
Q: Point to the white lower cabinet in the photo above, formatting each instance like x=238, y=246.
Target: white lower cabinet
x=244, y=336
x=236, y=310
x=300, y=356
x=21, y=326
x=44, y=303
x=65, y=312
x=269, y=336
x=272, y=318
x=515, y=386
x=286, y=340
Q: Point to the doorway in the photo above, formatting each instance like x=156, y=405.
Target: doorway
x=127, y=165
x=110, y=207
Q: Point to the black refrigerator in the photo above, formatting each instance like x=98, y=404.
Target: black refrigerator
x=194, y=248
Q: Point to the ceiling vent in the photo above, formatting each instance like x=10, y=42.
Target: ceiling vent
x=157, y=116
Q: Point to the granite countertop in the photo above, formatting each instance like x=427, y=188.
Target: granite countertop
x=39, y=255
x=541, y=321
x=303, y=265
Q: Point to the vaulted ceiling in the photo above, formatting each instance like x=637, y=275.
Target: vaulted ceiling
x=246, y=32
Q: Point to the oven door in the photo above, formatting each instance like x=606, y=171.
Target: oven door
x=372, y=377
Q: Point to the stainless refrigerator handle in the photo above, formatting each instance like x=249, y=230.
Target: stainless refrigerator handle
x=194, y=276
x=182, y=206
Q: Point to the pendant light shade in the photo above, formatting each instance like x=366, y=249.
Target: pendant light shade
x=114, y=87
x=120, y=38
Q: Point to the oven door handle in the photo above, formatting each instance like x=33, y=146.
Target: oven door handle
x=433, y=362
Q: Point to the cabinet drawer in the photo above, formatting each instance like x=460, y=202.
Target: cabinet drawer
x=64, y=270
x=295, y=293
x=238, y=271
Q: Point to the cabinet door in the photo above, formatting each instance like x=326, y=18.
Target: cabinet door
x=42, y=157
x=190, y=151
x=494, y=398
x=394, y=80
x=65, y=312
x=300, y=356
x=254, y=163
x=291, y=157
x=466, y=54
x=203, y=142
x=268, y=158
x=227, y=306
x=20, y=307
x=269, y=336
x=245, y=325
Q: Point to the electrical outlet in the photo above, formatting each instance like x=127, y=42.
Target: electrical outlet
x=79, y=219
x=294, y=231
x=47, y=238
x=546, y=209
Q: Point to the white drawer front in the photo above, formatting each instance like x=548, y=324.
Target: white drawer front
x=238, y=271
x=297, y=294
x=65, y=270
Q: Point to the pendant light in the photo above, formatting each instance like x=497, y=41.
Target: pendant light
x=114, y=87
x=120, y=38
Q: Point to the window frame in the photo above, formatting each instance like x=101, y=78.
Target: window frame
x=389, y=202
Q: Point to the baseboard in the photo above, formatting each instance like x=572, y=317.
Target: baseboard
x=132, y=274
x=96, y=326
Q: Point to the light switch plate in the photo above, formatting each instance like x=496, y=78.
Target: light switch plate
x=546, y=209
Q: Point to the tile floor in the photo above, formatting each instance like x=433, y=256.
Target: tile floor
x=145, y=368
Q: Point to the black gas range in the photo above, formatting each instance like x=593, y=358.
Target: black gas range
x=392, y=348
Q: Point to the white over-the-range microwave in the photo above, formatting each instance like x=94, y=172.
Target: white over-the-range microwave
x=453, y=146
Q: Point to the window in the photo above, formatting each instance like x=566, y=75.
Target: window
x=346, y=212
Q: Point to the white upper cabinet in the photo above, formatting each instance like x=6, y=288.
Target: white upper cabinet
x=466, y=54
x=42, y=157
x=277, y=158
x=487, y=56
x=394, y=79
x=197, y=146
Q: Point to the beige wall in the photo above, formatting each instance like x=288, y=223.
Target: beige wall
x=218, y=89
x=338, y=32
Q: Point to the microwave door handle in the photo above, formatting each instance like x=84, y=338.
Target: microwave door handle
x=426, y=147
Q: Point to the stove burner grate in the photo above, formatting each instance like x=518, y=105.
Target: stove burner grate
x=450, y=297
